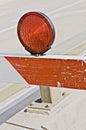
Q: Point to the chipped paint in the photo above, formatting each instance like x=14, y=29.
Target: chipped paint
x=45, y=71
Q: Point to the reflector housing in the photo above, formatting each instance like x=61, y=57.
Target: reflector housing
x=36, y=32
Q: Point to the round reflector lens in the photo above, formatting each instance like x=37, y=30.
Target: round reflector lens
x=36, y=32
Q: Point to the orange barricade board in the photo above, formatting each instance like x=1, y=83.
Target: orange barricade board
x=70, y=72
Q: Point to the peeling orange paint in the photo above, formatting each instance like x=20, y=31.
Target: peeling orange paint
x=41, y=71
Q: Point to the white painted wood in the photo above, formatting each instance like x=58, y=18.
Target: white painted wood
x=16, y=97
x=68, y=114
x=11, y=127
x=50, y=94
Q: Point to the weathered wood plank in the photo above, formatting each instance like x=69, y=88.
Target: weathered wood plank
x=71, y=73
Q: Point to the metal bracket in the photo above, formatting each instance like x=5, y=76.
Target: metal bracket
x=50, y=97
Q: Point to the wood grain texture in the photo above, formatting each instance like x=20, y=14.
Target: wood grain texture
x=71, y=73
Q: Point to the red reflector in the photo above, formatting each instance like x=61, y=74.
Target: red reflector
x=36, y=32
